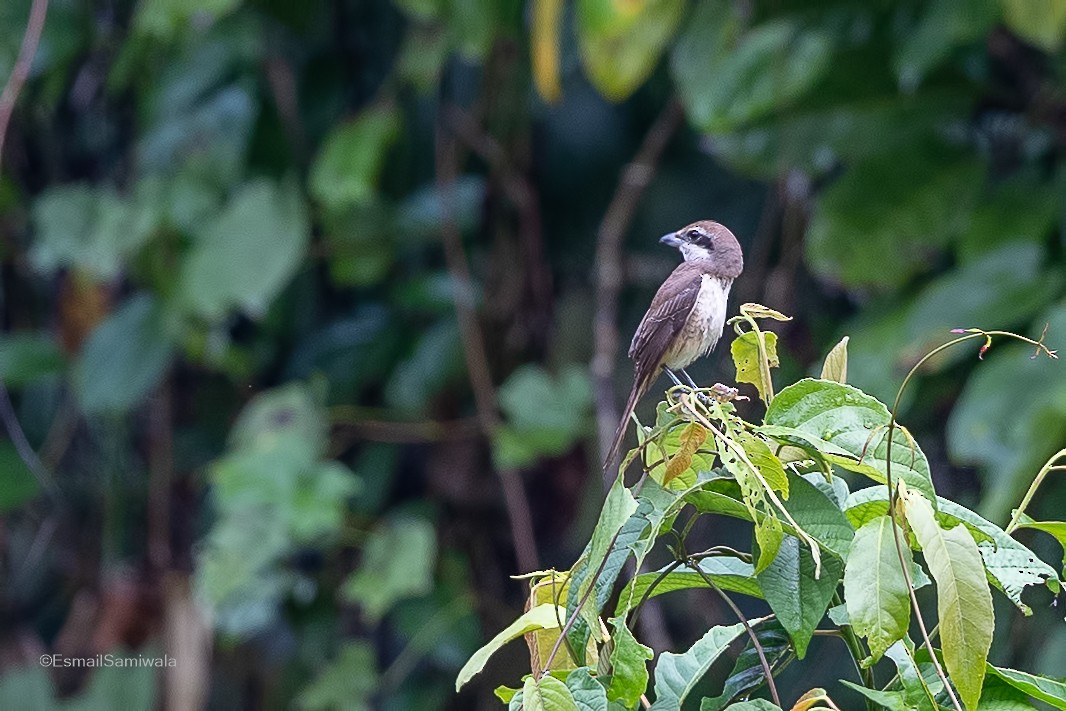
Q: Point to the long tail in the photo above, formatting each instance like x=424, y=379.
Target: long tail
x=640, y=386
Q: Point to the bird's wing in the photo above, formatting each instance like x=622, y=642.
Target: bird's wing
x=665, y=318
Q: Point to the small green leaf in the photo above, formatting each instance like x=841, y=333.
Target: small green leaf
x=545, y=413
x=745, y=351
x=835, y=367
x=964, y=602
x=348, y=682
x=26, y=356
x=541, y=617
x=398, y=563
x=345, y=171
x=891, y=700
x=676, y=675
x=875, y=591
x=124, y=358
x=547, y=694
x=798, y=598
x=629, y=664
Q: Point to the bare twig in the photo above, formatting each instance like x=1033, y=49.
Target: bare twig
x=518, y=513
x=634, y=180
x=10, y=95
x=365, y=424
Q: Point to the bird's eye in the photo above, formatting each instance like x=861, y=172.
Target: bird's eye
x=693, y=234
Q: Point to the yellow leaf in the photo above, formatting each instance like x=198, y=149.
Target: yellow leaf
x=835, y=367
x=544, y=45
x=745, y=351
x=692, y=437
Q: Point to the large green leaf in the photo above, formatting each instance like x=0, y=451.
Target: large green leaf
x=243, y=257
x=875, y=590
x=124, y=358
x=621, y=42
x=727, y=573
x=849, y=428
x=541, y=617
x=589, y=694
x=728, y=75
x=964, y=602
x=545, y=414
x=797, y=597
x=676, y=675
x=1050, y=691
x=881, y=222
x=819, y=515
x=1010, y=565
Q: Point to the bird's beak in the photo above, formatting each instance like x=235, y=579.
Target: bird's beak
x=671, y=240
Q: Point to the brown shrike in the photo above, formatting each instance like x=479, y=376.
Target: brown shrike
x=688, y=313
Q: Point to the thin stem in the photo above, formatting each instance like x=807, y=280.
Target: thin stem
x=1048, y=467
x=767, y=672
x=851, y=641
x=30, y=38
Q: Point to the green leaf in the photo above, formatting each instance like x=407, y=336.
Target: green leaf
x=849, y=428
x=629, y=664
x=545, y=414
x=964, y=602
x=676, y=675
x=243, y=257
x=794, y=594
x=835, y=367
x=167, y=19
x=752, y=705
x=397, y=563
x=819, y=515
x=541, y=617
x=348, y=682
x=1000, y=696
x=1042, y=24
x=1050, y=691
x=621, y=42
x=17, y=483
x=617, y=510
x=1010, y=565
x=547, y=694
x=124, y=358
x=589, y=694
x=748, y=674
x=745, y=351
x=891, y=700
x=875, y=591
x=878, y=224
x=26, y=357
x=917, y=693
x=943, y=25
x=91, y=229
x=345, y=171
x=727, y=573
x=1057, y=529
x=728, y=76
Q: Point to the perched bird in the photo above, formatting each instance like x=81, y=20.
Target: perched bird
x=687, y=315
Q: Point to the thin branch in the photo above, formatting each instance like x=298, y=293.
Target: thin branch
x=21, y=72
x=518, y=513
x=631, y=186
x=767, y=671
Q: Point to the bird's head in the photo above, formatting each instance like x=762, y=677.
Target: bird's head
x=709, y=240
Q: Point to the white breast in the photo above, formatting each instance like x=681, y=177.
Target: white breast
x=704, y=325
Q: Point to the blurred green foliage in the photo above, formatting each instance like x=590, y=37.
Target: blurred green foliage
x=230, y=329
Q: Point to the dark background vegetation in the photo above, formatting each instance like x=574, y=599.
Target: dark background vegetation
x=309, y=309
